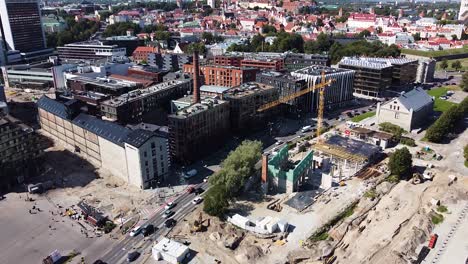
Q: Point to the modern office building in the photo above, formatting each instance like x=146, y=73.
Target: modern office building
x=139, y=157
x=228, y=76
x=244, y=100
x=297, y=61
x=372, y=78
x=104, y=85
x=426, y=70
x=89, y=51
x=195, y=129
x=131, y=107
x=22, y=29
x=286, y=84
x=20, y=150
x=337, y=95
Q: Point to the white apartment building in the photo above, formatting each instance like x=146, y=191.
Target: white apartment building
x=139, y=157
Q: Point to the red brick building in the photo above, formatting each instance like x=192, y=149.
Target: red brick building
x=268, y=64
x=223, y=75
x=141, y=53
x=228, y=60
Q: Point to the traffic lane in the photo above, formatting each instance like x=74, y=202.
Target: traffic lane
x=120, y=250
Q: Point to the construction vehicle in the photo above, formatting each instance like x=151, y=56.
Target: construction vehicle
x=321, y=87
x=197, y=225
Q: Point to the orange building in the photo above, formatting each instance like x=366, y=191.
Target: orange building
x=228, y=76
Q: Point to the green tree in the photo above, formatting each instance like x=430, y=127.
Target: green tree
x=456, y=65
x=364, y=34
x=196, y=47
x=444, y=64
x=465, y=154
x=446, y=123
x=417, y=36
x=216, y=201
x=395, y=130
x=268, y=29
x=401, y=163
x=464, y=82
x=454, y=37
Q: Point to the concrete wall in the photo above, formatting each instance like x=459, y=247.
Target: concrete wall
x=134, y=166
x=113, y=158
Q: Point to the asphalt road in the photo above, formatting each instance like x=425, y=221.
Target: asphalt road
x=118, y=252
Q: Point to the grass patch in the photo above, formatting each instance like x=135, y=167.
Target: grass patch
x=393, y=179
x=435, y=53
x=371, y=194
x=439, y=104
x=361, y=117
x=464, y=63
x=437, y=218
x=466, y=163
x=322, y=233
x=442, y=208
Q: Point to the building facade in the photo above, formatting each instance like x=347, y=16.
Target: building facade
x=131, y=107
x=196, y=129
x=21, y=23
x=223, y=75
x=297, y=61
x=337, y=95
x=139, y=157
x=408, y=111
x=89, y=51
x=463, y=13
x=371, y=79
x=244, y=100
x=20, y=150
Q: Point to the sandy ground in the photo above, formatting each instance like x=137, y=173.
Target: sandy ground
x=27, y=238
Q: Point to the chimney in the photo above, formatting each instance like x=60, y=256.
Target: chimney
x=264, y=168
x=196, y=78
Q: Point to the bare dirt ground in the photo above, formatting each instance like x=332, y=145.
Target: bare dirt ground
x=391, y=232
x=79, y=180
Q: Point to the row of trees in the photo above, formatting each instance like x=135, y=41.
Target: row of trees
x=228, y=182
x=324, y=43
x=76, y=31
x=118, y=29
x=455, y=64
x=447, y=122
x=464, y=82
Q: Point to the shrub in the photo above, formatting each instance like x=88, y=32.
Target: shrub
x=395, y=130
x=408, y=142
x=442, y=208
x=371, y=194
x=393, y=179
x=437, y=218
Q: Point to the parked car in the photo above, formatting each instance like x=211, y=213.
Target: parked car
x=135, y=231
x=197, y=200
x=147, y=230
x=169, y=205
x=170, y=223
x=443, y=97
x=168, y=214
x=191, y=173
x=132, y=256
x=206, y=179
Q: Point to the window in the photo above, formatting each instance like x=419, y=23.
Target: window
x=153, y=145
x=145, y=154
x=397, y=115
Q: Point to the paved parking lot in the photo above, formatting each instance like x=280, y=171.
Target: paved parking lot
x=29, y=237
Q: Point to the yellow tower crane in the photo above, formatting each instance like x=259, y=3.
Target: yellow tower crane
x=320, y=86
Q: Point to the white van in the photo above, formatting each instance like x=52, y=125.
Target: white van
x=306, y=128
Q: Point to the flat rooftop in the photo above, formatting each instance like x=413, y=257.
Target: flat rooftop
x=109, y=83
x=247, y=89
x=347, y=148
x=374, y=63
x=142, y=93
x=316, y=70
x=170, y=247
x=194, y=109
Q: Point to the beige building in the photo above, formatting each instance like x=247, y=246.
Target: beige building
x=408, y=111
x=139, y=157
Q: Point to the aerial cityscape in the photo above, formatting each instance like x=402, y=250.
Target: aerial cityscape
x=233, y=131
